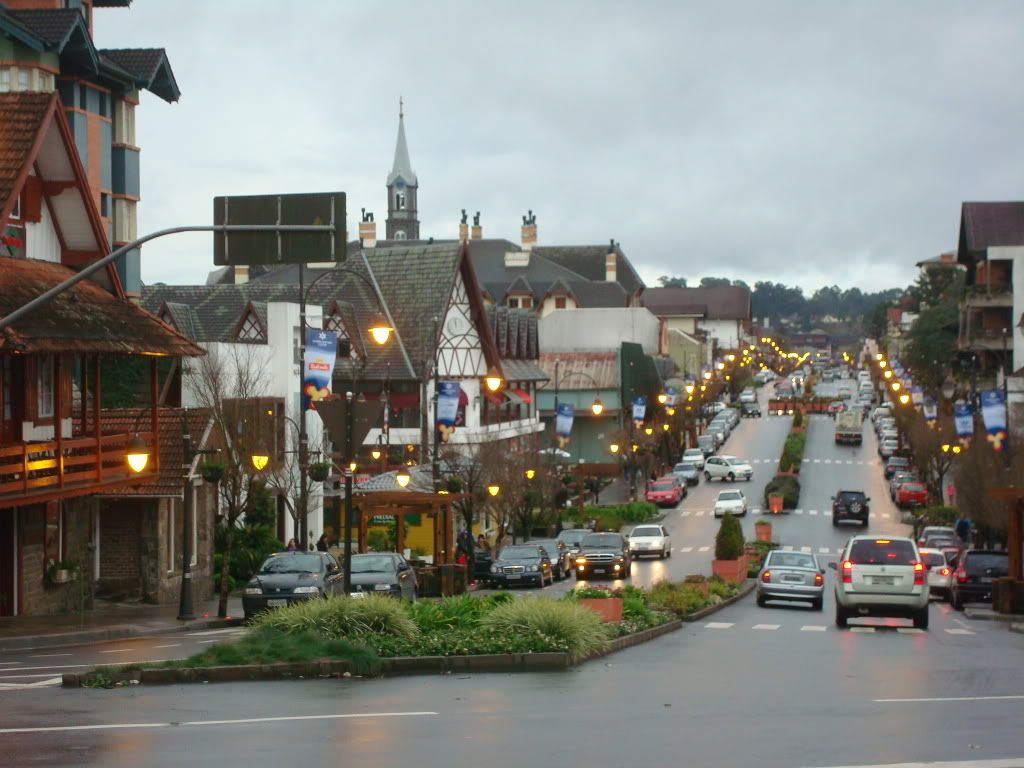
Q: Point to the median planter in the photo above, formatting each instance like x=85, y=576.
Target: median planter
x=608, y=608
x=734, y=571
x=698, y=582
x=762, y=528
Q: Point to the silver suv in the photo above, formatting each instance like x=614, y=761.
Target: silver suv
x=881, y=577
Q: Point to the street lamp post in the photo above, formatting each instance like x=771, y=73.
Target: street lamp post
x=186, y=611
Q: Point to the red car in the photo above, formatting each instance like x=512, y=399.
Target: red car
x=666, y=491
x=911, y=495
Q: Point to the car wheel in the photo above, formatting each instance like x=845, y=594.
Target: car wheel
x=835, y=523
x=864, y=522
x=662, y=555
x=921, y=618
x=730, y=477
x=817, y=605
x=707, y=476
x=761, y=602
x=841, y=617
x=957, y=601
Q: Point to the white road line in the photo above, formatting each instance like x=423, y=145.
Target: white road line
x=805, y=549
x=768, y=627
x=212, y=632
x=8, y=663
x=703, y=549
x=788, y=548
x=31, y=686
x=909, y=631
x=119, y=650
x=823, y=550
x=885, y=515
x=240, y=721
x=718, y=625
x=18, y=677
x=686, y=549
x=755, y=511
x=686, y=513
x=848, y=461
x=813, y=512
x=698, y=513
x=1012, y=763
x=862, y=630
x=829, y=461
x=817, y=461
x=206, y=642
x=860, y=462
x=78, y=666
x=959, y=632
x=171, y=645
x=956, y=698
x=813, y=628
x=798, y=511
x=48, y=655
x=826, y=513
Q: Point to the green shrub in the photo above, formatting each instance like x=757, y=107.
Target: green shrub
x=252, y=543
x=452, y=612
x=377, y=541
x=729, y=539
x=342, y=617
x=613, y=516
x=639, y=511
x=793, y=452
x=788, y=486
x=578, y=628
x=465, y=641
x=941, y=515
x=798, y=418
x=680, y=599
x=722, y=588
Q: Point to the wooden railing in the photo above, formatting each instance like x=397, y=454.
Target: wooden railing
x=44, y=468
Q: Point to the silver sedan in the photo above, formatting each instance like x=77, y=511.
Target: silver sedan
x=791, y=576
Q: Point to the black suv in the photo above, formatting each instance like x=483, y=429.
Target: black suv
x=603, y=554
x=750, y=410
x=850, y=505
x=972, y=582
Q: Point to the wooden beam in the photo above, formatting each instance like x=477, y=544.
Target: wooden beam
x=55, y=188
x=58, y=416
x=97, y=432
x=79, y=258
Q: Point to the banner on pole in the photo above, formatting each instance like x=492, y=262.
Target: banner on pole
x=917, y=394
x=639, y=408
x=993, y=412
x=963, y=417
x=321, y=349
x=563, y=422
x=447, y=408
x=670, y=396
x=931, y=410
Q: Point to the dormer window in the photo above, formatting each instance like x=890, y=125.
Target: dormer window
x=252, y=329
x=336, y=324
x=520, y=302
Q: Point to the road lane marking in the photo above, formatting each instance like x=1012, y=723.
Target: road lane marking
x=909, y=631
x=18, y=677
x=686, y=549
x=826, y=513
x=959, y=632
x=805, y=549
x=954, y=698
x=788, y=548
x=31, y=686
x=718, y=625
x=700, y=513
x=170, y=645
x=813, y=628
x=798, y=511
x=817, y=461
x=686, y=513
x=8, y=663
x=119, y=650
x=197, y=723
x=862, y=630
x=829, y=461
x=206, y=642
x=78, y=666
x=848, y=461
x=823, y=550
x=703, y=549
x=885, y=515
x=1003, y=763
x=769, y=627
x=205, y=632
x=48, y=655
x=860, y=462
x=813, y=512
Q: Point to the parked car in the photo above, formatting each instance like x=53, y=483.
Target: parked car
x=383, y=573
x=719, y=431
x=707, y=443
x=687, y=473
x=727, y=468
x=940, y=541
x=732, y=416
x=881, y=412
x=896, y=464
x=714, y=407
x=791, y=576
x=290, y=577
x=604, y=554
x=934, y=531
x=850, y=505
x=650, y=540
x=940, y=575
x=665, y=491
x=887, y=448
x=558, y=554
x=911, y=494
x=571, y=538
x=881, y=577
x=903, y=476
x=974, y=574
x=694, y=456
x=731, y=502
x=750, y=411
x=518, y=564
x=748, y=396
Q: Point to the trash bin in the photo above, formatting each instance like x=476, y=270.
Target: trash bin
x=452, y=577
x=428, y=581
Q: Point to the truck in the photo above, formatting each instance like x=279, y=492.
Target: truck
x=848, y=427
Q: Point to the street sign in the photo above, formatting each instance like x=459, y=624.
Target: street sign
x=242, y=248
x=365, y=417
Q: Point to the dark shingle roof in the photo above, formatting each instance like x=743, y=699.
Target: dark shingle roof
x=983, y=225
x=591, y=295
x=52, y=26
x=589, y=261
x=23, y=114
x=150, y=68
x=721, y=303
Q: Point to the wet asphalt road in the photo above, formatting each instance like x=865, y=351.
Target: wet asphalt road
x=779, y=686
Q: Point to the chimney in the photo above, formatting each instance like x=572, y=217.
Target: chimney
x=529, y=236
x=610, y=260
x=367, y=230
x=477, y=232
x=463, y=228
x=241, y=274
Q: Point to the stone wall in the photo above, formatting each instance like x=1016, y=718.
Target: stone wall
x=39, y=596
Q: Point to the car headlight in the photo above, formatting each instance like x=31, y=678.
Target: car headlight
x=253, y=591
x=495, y=569
x=306, y=591
x=581, y=560
x=533, y=568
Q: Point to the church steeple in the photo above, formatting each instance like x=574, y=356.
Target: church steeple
x=402, y=185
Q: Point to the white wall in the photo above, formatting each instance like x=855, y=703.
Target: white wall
x=598, y=330
x=727, y=332
x=1016, y=255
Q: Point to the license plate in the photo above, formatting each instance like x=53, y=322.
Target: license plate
x=513, y=575
x=276, y=603
x=600, y=570
x=793, y=579
x=382, y=587
x=888, y=580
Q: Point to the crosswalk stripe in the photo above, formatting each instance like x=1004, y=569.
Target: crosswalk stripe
x=817, y=461
x=959, y=631
x=805, y=549
x=826, y=513
x=686, y=513
x=718, y=625
x=798, y=511
x=686, y=549
x=788, y=547
x=699, y=513
x=755, y=511
x=813, y=512
x=767, y=626
x=829, y=461
x=909, y=631
x=860, y=462
x=862, y=630
x=703, y=549
x=813, y=628
x=885, y=515
x=823, y=550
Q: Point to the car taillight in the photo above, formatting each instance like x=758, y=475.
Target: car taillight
x=766, y=576
x=818, y=579
x=944, y=572
x=847, y=572
x=961, y=575
x=918, y=573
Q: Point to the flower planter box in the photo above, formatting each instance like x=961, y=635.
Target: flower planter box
x=62, y=577
x=762, y=530
x=608, y=608
x=730, y=570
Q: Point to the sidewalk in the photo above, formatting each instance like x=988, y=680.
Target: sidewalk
x=110, y=621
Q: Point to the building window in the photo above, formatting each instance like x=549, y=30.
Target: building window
x=5, y=79
x=105, y=204
x=251, y=329
x=44, y=387
x=560, y=302
x=16, y=212
x=399, y=201
x=526, y=302
x=23, y=79
x=400, y=235
x=83, y=97
x=104, y=104
x=124, y=123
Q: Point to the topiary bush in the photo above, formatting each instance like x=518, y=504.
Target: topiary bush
x=729, y=539
x=793, y=452
x=788, y=486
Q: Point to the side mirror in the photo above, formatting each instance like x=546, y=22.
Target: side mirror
x=867, y=498
x=833, y=566
x=403, y=566
x=333, y=568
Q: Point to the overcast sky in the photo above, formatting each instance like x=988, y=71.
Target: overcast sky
x=803, y=142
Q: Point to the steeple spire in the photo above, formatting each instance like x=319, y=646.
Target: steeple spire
x=402, y=168
x=402, y=222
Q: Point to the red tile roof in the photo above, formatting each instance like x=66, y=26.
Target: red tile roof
x=23, y=113
x=85, y=318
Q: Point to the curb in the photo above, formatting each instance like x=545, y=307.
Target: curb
x=987, y=614
x=82, y=637
x=1018, y=628
x=746, y=589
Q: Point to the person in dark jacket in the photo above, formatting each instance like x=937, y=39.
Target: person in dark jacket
x=321, y=543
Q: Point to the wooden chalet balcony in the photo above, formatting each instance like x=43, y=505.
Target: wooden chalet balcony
x=987, y=339
x=997, y=295
x=36, y=472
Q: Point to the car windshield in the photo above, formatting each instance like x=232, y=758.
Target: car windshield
x=692, y=452
x=933, y=559
x=603, y=540
x=848, y=497
x=730, y=496
x=373, y=564
x=663, y=485
x=882, y=552
x=524, y=552
x=789, y=560
x=550, y=546
x=289, y=563
x=986, y=563
x=648, y=530
x=735, y=462
x=572, y=537
x=898, y=461
x=685, y=466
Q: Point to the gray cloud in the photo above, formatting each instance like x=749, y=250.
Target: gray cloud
x=805, y=142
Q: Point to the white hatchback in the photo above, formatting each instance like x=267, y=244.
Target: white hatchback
x=881, y=577
x=650, y=540
x=694, y=456
x=731, y=502
x=727, y=468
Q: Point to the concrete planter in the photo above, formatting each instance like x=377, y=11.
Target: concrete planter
x=608, y=608
x=700, y=585
x=730, y=570
x=763, y=530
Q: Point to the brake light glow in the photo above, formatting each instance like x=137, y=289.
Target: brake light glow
x=961, y=575
x=847, y=572
x=766, y=576
x=882, y=541
x=918, y=573
x=944, y=572
x=818, y=579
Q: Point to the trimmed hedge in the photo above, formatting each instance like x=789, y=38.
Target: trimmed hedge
x=614, y=516
x=793, y=451
x=729, y=539
x=788, y=486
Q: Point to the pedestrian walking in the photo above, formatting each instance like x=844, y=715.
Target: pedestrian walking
x=482, y=545
x=963, y=530
x=321, y=543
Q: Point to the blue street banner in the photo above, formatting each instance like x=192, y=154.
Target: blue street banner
x=963, y=417
x=639, y=408
x=671, y=394
x=917, y=394
x=563, y=420
x=447, y=402
x=993, y=412
x=931, y=410
x=321, y=349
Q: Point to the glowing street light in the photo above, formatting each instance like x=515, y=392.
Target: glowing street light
x=614, y=447
x=402, y=477
x=136, y=453
x=530, y=474
x=380, y=329
x=494, y=489
x=597, y=407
